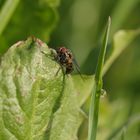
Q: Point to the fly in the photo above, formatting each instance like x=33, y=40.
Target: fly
x=66, y=59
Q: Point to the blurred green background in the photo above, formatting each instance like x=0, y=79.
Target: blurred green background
x=79, y=25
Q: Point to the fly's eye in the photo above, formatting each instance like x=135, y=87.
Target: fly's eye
x=63, y=50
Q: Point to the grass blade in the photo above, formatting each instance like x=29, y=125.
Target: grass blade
x=94, y=105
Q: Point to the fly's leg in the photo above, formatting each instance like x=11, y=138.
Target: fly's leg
x=60, y=68
x=52, y=56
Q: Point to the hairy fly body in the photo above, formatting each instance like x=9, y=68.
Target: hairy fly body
x=65, y=58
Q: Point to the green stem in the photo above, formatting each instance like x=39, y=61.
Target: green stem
x=93, y=115
x=6, y=13
x=95, y=99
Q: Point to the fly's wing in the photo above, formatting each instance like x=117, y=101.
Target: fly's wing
x=77, y=68
x=76, y=65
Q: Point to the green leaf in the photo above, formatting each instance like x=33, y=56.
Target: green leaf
x=35, y=102
x=83, y=87
x=68, y=117
x=121, y=40
x=29, y=89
